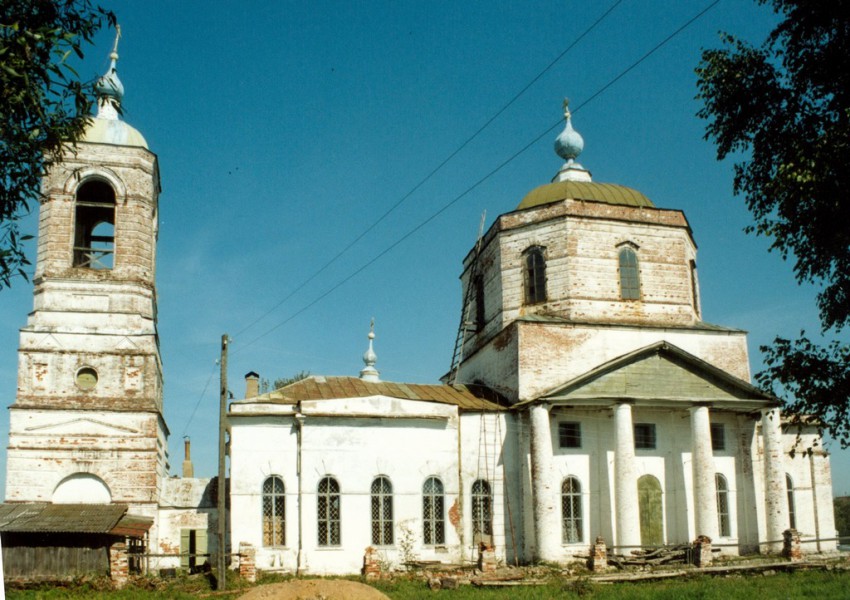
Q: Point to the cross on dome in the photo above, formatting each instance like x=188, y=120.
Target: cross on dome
x=568, y=145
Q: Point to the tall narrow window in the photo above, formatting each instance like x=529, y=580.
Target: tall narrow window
x=718, y=437
x=94, y=223
x=695, y=287
x=792, y=512
x=274, y=512
x=482, y=512
x=479, y=303
x=382, y=512
x=534, y=275
x=629, y=275
x=571, y=531
x=433, y=509
x=328, y=512
x=723, y=524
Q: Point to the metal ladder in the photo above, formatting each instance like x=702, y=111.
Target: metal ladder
x=465, y=324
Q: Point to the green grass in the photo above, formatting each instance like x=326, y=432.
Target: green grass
x=820, y=585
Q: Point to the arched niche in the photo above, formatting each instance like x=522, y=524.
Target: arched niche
x=82, y=488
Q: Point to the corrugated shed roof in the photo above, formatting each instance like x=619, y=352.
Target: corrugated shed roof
x=72, y=518
x=465, y=397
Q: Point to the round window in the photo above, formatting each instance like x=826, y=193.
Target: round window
x=86, y=378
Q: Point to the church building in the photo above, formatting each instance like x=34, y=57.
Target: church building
x=587, y=398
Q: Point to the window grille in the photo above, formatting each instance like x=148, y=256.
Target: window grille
x=482, y=511
x=433, y=509
x=629, y=275
x=382, y=512
x=569, y=435
x=645, y=436
x=534, y=275
x=792, y=512
x=571, y=531
x=274, y=512
x=329, y=512
x=724, y=526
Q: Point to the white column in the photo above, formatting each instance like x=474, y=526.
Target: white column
x=702, y=462
x=775, y=491
x=545, y=488
x=625, y=479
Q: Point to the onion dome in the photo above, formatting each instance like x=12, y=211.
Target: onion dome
x=107, y=127
x=369, y=372
x=568, y=145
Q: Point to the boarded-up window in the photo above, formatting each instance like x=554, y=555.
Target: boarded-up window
x=651, y=510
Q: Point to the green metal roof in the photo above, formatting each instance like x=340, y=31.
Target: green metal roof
x=608, y=193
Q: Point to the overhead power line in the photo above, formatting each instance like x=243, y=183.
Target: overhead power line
x=433, y=171
x=481, y=180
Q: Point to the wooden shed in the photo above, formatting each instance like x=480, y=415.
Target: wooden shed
x=59, y=541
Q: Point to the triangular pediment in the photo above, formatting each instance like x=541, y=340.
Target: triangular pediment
x=125, y=343
x=48, y=342
x=660, y=374
x=83, y=426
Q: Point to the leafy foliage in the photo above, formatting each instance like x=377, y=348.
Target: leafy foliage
x=785, y=106
x=42, y=104
x=280, y=382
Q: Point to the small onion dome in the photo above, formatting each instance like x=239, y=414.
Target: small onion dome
x=109, y=85
x=607, y=193
x=369, y=372
x=569, y=144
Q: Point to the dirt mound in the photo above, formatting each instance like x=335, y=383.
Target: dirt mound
x=315, y=589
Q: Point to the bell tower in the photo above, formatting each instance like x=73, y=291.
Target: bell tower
x=87, y=423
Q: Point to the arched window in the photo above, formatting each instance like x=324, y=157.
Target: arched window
x=479, y=303
x=534, y=275
x=274, y=512
x=724, y=526
x=94, y=235
x=482, y=512
x=629, y=275
x=792, y=512
x=571, y=530
x=328, y=512
x=695, y=287
x=433, y=509
x=382, y=512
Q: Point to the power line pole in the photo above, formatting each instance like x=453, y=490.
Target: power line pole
x=222, y=490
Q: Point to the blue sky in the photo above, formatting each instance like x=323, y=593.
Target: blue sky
x=284, y=130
